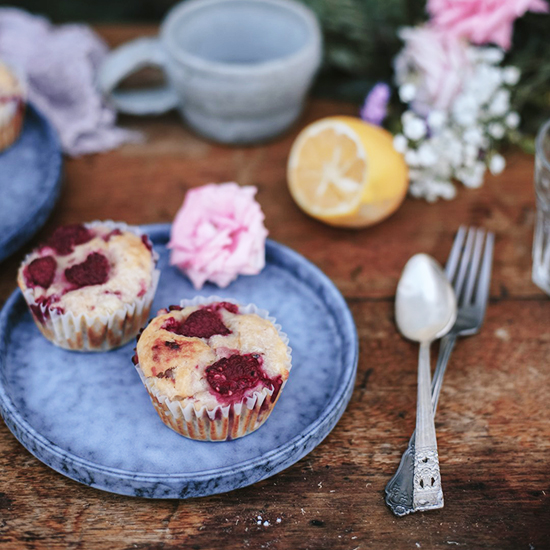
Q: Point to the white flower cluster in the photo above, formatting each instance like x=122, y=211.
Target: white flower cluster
x=459, y=143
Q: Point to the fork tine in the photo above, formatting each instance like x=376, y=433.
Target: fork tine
x=482, y=292
x=464, y=262
x=454, y=256
x=474, y=267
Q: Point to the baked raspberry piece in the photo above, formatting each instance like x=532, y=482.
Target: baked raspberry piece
x=202, y=323
x=66, y=237
x=231, y=377
x=40, y=272
x=214, y=369
x=94, y=270
x=100, y=275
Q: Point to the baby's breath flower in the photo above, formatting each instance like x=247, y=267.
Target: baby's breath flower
x=436, y=119
x=473, y=136
x=411, y=157
x=400, y=143
x=471, y=153
x=407, y=92
x=493, y=56
x=497, y=130
x=511, y=75
x=472, y=176
x=512, y=120
x=413, y=127
x=501, y=103
x=465, y=110
x=426, y=154
x=497, y=164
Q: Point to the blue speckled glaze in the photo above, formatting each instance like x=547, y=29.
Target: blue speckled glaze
x=30, y=180
x=88, y=416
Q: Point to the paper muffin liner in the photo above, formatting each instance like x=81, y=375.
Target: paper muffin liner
x=86, y=332
x=222, y=423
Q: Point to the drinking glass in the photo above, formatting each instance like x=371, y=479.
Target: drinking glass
x=541, y=243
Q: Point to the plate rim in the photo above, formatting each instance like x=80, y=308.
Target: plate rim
x=338, y=401
x=18, y=236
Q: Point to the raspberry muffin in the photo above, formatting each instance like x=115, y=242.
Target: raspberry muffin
x=12, y=106
x=213, y=369
x=90, y=286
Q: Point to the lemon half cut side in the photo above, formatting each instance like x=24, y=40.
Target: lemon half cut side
x=345, y=172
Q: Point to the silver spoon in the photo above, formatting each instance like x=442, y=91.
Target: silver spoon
x=425, y=310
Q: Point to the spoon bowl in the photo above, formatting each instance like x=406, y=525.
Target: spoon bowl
x=425, y=304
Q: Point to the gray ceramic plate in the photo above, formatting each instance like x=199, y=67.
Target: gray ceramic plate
x=30, y=181
x=88, y=416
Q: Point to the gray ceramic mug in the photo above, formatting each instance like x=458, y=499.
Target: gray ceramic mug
x=237, y=70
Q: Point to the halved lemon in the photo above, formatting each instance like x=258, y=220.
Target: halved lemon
x=346, y=172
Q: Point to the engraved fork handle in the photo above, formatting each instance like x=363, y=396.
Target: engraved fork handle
x=399, y=490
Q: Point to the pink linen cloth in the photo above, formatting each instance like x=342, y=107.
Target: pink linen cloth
x=60, y=64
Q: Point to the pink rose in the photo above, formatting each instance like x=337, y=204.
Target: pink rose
x=218, y=234
x=481, y=21
x=435, y=63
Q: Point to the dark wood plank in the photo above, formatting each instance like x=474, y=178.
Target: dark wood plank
x=494, y=439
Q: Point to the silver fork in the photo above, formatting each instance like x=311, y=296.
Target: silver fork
x=469, y=270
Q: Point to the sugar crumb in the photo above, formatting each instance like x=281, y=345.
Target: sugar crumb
x=502, y=334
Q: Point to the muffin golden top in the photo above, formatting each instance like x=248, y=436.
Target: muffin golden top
x=88, y=269
x=212, y=355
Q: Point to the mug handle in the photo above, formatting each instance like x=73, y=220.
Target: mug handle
x=127, y=59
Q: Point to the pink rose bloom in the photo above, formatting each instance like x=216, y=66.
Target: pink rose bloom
x=481, y=21
x=435, y=63
x=218, y=234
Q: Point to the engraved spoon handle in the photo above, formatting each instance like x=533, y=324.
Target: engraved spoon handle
x=399, y=490
x=427, y=491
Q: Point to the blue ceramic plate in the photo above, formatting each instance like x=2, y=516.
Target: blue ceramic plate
x=30, y=180
x=88, y=416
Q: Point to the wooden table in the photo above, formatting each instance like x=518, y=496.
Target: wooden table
x=493, y=422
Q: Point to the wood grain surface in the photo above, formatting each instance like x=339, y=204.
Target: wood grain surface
x=493, y=421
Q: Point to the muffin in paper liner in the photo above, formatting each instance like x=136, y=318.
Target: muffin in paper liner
x=12, y=104
x=219, y=422
x=87, y=332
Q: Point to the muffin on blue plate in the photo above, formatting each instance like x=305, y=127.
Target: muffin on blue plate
x=90, y=286
x=214, y=369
